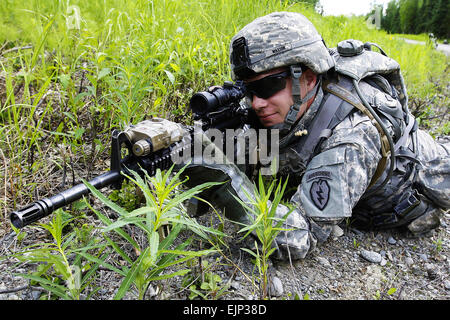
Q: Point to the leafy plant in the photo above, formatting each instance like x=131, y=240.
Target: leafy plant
x=356, y=243
x=264, y=224
x=62, y=276
x=391, y=291
x=163, y=206
x=437, y=245
x=209, y=284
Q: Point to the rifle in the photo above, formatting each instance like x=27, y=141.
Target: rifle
x=149, y=146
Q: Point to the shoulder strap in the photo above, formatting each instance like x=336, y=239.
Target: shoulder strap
x=319, y=124
x=337, y=106
x=331, y=112
x=341, y=90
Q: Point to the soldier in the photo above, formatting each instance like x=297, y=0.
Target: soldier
x=343, y=158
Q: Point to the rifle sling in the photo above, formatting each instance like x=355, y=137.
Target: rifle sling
x=343, y=93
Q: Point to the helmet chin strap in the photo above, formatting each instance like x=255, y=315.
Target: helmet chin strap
x=291, y=117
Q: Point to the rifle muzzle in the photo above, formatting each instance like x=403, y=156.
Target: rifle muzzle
x=29, y=214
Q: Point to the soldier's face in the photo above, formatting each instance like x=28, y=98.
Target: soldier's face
x=272, y=110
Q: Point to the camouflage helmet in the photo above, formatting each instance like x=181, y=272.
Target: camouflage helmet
x=277, y=40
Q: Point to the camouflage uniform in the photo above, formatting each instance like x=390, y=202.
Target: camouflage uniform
x=332, y=185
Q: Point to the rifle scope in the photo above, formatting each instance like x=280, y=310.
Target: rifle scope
x=204, y=102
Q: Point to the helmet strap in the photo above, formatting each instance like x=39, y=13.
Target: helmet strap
x=291, y=117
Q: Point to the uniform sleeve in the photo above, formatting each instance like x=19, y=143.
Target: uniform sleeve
x=333, y=182
x=337, y=177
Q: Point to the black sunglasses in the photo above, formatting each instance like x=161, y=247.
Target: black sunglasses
x=266, y=87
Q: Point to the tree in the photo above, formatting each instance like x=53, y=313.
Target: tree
x=408, y=15
x=439, y=19
x=389, y=21
x=417, y=16
x=424, y=15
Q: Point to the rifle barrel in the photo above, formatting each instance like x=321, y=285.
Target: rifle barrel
x=44, y=207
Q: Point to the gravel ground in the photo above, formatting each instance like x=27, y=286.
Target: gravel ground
x=352, y=265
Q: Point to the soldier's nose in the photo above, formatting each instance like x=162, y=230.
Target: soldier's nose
x=258, y=103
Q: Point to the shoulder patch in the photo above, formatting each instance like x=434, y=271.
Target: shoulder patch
x=318, y=174
x=320, y=193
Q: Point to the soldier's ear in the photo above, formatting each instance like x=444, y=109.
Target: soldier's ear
x=311, y=78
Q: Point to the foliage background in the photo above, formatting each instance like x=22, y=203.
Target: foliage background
x=418, y=16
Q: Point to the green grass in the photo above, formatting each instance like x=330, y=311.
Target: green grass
x=265, y=224
x=417, y=62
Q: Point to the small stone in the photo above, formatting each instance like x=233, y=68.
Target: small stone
x=371, y=256
x=235, y=285
x=447, y=284
x=409, y=261
x=337, y=231
x=391, y=240
x=276, y=287
x=35, y=294
x=323, y=261
x=423, y=256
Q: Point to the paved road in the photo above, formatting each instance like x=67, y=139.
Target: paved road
x=443, y=47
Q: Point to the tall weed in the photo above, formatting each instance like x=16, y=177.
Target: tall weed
x=264, y=224
x=61, y=270
x=164, y=206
